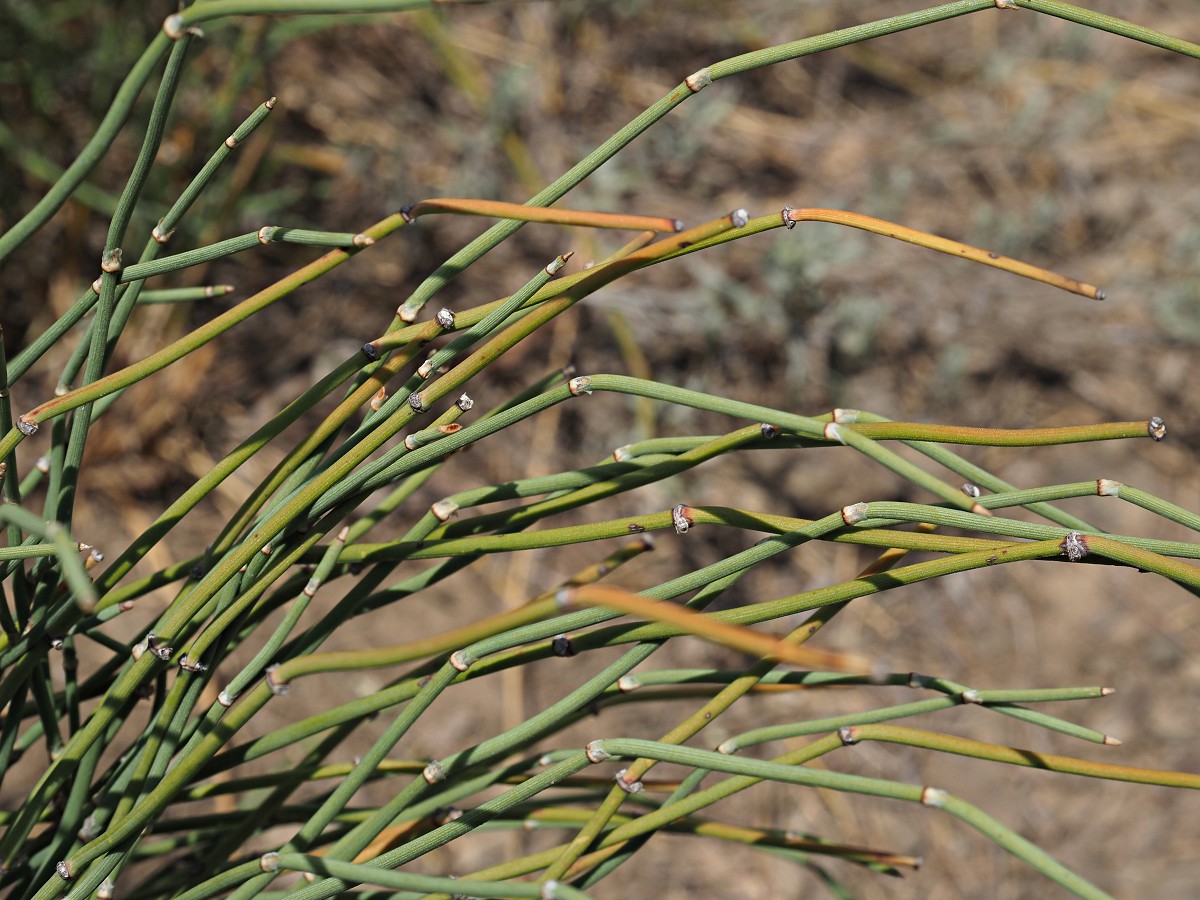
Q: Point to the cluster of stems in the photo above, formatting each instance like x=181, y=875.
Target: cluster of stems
x=143, y=809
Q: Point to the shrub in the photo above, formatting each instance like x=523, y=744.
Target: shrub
x=145, y=686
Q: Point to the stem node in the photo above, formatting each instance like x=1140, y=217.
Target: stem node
x=699, y=80
x=934, y=797
x=278, y=688
x=854, y=513
x=1074, y=546
x=832, y=432
x=681, y=519
x=188, y=666
x=173, y=27
x=629, y=787
x=561, y=646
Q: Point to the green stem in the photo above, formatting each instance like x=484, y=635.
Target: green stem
x=1111, y=24
x=91, y=154
x=628, y=748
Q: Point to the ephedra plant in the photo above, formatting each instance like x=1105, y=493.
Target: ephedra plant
x=145, y=745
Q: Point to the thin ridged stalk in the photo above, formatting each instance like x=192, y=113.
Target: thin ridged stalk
x=1111, y=24
x=51, y=336
x=188, y=258
x=362, y=771
x=185, y=295
x=219, y=9
x=358, y=709
x=1146, y=500
x=615, y=635
x=789, y=217
x=522, y=734
x=267, y=652
x=497, y=316
x=359, y=874
x=296, y=458
x=915, y=737
x=222, y=470
x=28, y=551
x=801, y=425
x=196, y=186
x=692, y=623
x=190, y=761
x=943, y=245
x=973, y=473
x=525, y=213
x=91, y=154
x=60, y=504
x=253, y=568
x=579, y=488
x=874, y=787
x=703, y=577
x=535, y=610
x=467, y=822
x=161, y=234
x=892, y=512
x=1000, y=437
x=622, y=138
x=688, y=728
x=832, y=723
x=555, y=817
x=172, y=353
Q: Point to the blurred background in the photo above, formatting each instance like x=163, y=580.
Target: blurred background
x=1067, y=148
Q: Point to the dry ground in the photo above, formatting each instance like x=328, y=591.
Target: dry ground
x=1073, y=150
